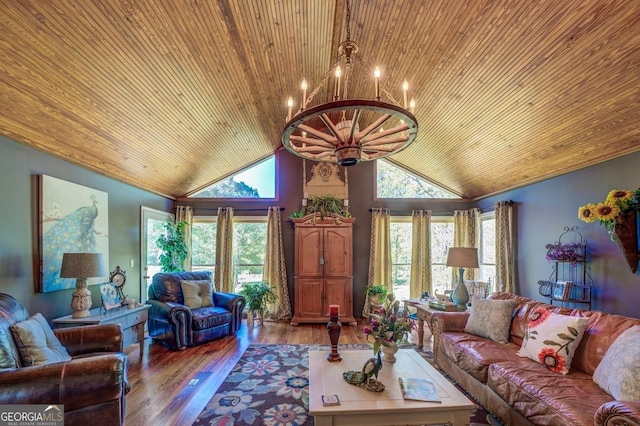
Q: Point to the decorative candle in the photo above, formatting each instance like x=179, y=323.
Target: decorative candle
x=376, y=76
x=336, y=93
x=304, y=202
x=290, y=105
x=346, y=202
x=303, y=86
x=333, y=310
x=412, y=105
x=405, y=87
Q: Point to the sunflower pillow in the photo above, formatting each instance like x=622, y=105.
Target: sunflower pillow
x=551, y=339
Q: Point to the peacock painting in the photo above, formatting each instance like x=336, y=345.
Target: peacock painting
x=74, y=219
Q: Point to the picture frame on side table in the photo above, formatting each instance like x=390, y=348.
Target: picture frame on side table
x=110, y=297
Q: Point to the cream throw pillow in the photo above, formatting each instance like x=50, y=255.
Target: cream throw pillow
x=491, y=319
x=197, y=294
x=551, y=339
x=36, y=342
x=619, y=371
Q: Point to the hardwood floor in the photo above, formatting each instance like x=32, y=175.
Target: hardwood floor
x=172, y=387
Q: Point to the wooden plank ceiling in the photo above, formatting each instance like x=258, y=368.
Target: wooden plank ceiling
x=173, y=95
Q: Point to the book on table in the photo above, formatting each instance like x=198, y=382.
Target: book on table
x=418, y=389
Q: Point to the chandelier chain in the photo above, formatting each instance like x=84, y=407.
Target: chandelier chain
x=348, y=21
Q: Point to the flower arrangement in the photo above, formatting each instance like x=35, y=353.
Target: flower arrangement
x=618, y=202
x=564, y=252
x=388, y=325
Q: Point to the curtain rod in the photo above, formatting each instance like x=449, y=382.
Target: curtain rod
x=239, y=210
x=409, y=213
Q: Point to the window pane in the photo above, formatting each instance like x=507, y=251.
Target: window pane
x=489, y=241
x=441, y=278
x=258, y=181
x=203, y=244
x=395, y=182
x=400, y=242
x=400, y=258
x=441, y=240
x=249, y=243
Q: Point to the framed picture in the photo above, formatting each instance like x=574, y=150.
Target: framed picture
x=562, y=290
x=110, y=297
x=72, y=219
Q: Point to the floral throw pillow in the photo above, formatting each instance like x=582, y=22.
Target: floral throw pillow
x=619, y=369
x=551, y=339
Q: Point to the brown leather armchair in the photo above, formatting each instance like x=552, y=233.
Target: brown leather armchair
x=91, y=386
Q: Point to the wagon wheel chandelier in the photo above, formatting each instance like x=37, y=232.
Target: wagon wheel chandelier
x=330, y=132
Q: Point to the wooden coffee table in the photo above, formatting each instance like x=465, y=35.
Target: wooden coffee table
x=361, y=407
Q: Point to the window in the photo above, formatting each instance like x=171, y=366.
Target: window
x=203, y=244
x=487, y=251
x=441, y=240
x=395, y=182
x=400, y=256
x=257, y=181
x=249, y=245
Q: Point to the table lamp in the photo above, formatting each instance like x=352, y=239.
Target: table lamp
x=461, y=257
x=82, y=266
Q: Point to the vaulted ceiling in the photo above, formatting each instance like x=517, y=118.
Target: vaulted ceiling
x=172, y=95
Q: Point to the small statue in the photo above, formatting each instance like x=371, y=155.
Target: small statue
x=364, y=378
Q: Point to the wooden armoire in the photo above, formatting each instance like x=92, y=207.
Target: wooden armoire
x=323, y=268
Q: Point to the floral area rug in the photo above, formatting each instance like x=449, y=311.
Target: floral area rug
x=270, y=386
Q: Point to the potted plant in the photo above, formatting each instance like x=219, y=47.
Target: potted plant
x=173, y=246
x=323, y=205
x=257, y=295
x=376, y=293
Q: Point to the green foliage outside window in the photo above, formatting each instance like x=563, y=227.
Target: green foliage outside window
x=173, y=246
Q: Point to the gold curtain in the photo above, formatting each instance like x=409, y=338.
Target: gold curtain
x=505, y=268
x=185, y=214
x=420, y=253
x=275, y=271
x=223, y=279
x=380, y=253
x=466, y=233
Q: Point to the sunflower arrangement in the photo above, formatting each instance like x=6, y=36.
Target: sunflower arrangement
x=618, y=202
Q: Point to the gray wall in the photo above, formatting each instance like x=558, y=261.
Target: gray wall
x=19, y=169
x=545, y=208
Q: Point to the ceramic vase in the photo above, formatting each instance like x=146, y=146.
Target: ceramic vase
x=389, y=350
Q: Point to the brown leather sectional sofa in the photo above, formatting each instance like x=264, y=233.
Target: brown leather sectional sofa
x=91, y=386
x=520, y=391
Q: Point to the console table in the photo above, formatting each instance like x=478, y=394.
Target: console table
x=132, y=321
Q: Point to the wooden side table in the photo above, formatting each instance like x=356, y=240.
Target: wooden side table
x=423, y=313
x=132, y=321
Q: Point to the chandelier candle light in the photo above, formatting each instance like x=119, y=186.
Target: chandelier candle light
x=461, y=257
x=331, y=131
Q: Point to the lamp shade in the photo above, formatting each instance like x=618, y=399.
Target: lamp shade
x=83, y=265
x=462, y=257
